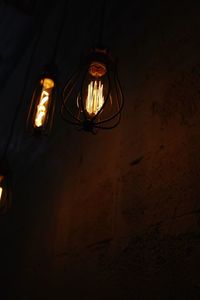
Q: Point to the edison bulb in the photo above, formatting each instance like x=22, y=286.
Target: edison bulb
x=43, y=104
x=1, y=192
x=95, y=90
x=1, y=188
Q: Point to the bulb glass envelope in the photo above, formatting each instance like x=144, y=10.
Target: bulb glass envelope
x=93, y=98
x=5, y=191
x=40, y=117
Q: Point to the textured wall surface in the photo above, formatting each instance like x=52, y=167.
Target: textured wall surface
x=116, y=215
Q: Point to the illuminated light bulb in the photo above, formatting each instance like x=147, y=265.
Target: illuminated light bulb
x=5, y=187
x=92, y=97
x=43, y=105
x=1, y=192
x=95, y=98
x=41, y=111
x=1, y=188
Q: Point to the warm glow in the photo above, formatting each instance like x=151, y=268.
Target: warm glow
x=95, y=98
x=1, y=187
x=97, y=69
x=1, y=191
x=43, y=105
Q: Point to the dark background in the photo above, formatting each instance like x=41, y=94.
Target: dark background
x=116, y=215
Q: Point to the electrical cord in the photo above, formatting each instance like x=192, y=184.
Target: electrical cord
x=101, y=24
x=60, y=31
x=29, y=67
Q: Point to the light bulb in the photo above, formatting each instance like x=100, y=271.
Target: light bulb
x=95, y=96
x=2, y=180
x=5, y=187
x=1, y=192
x=92, y=97
x=43, y=105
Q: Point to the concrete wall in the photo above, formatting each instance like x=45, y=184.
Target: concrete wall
x=116, y=215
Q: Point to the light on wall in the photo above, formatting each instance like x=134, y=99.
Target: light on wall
x=93, y=98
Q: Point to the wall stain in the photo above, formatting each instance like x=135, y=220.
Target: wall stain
x=137, y=161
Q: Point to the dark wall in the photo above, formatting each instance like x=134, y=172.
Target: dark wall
x=115, y=215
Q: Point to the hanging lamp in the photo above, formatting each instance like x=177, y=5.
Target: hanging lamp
x=42, y=107
x=6, y=186
x=92, y=97
x=5, y=169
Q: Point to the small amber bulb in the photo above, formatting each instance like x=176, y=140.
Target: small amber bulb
x=95, y=98
x=43, y=105
x=1, y=192
x=1, y=187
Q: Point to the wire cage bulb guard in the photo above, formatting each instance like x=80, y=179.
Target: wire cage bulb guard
x=41, y=112
x=93, y=98
x=5, y=188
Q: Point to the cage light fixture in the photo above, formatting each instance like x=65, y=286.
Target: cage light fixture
x=93, y=98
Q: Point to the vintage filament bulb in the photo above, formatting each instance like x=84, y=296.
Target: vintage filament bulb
x=43, y=105
x=92, y=97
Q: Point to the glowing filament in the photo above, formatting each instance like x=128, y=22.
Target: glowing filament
x=1, y=187
x=95, y=98
x=1, y=191
x=43, y=105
